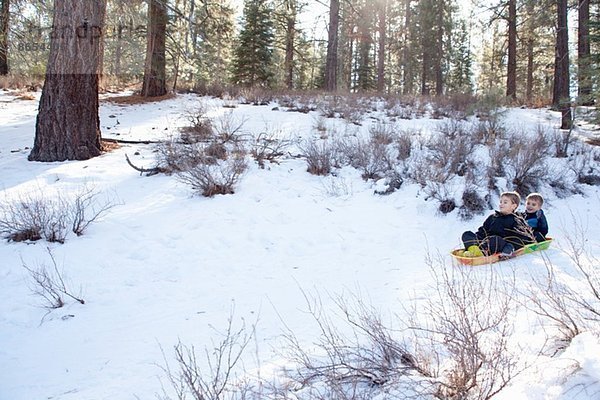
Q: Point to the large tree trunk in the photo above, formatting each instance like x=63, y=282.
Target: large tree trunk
x=332, y=46
x=381, y=48
x=4, y=13
x=511, y=73
x=407, y=84
x=439, y=44
x=583, y=54
x=561, y=97
x=67, y=125
x=290, y=37
x=155, y=69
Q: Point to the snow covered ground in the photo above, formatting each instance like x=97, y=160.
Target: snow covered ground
x=164, y=265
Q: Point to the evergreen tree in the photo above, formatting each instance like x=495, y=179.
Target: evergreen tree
x=461, y=74
x=253, y=56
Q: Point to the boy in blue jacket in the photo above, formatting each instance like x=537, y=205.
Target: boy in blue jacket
x=502, y=232
x=534, y=215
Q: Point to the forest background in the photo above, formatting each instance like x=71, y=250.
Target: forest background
x=404, y=47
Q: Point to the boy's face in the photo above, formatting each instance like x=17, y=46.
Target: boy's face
x=507, y=206
x=532, y=205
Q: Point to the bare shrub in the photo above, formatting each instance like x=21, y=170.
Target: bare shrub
x=211, y=374
x=209, y=178
x=372, y=157
x=256, y=96
x=200, y=127
x=404, y=144
x=525, y=163
x=42, y=215
x=269, y=145
x=85, y=209
x=382, y=133
x=354, y=356
x=583, y=164
x=472, y=204
x=48, y=282
x=228, y=128
x=451, y=150
x=463, y=332
x=319, y=156
x=174, y=156
x=570, y=306
x=336, y=186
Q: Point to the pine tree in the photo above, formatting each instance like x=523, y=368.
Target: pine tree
x=67, y=124
x=155, y=76
x=253, y=56
x=4, y=14
x=461, y=74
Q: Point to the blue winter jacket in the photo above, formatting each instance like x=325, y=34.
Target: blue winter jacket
x=537, y=221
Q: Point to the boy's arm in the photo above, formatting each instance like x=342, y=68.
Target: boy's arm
x=542, y=223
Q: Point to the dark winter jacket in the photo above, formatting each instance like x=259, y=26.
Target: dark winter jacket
x=511, y=227
x=537, y=221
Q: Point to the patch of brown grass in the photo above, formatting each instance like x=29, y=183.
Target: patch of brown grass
x=137, y=99
x=109, y=145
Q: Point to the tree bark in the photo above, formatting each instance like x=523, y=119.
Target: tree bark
x=332, y=46
x=4, y=15
x=561, y=97
x=438, y=67
x=511, y=73
x=155, y=69
x=381, y=47
x=290, y=36
x=407, y=83
x=583, y=54
x=67, y=125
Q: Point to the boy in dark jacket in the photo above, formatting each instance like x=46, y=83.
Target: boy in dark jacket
x=502, y=232
x=534, y=215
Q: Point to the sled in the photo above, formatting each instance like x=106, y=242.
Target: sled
x=473, y=261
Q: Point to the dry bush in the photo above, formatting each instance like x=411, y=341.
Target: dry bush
x=582, y=161
x=354, y=357
x=213, y=373
x=42, y=215
x=404, y=143
x=382, y=133
x=372, y=157
x=269, y=145
x=213, y=176
x=256, y=96
x=451, y=149
x=472, y=204
x=200, y=127
x=570, y=306
x=228, y=128
x=526, y=161
x=463, y=333
x=48, y=282
x=320, y=156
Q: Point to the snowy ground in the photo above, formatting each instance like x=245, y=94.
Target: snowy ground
x=164, y=265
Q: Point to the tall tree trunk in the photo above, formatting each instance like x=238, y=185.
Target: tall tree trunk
x=511, y=73
x=290, y=36
x=439, y=44
x=67, y=125
x=561, y=97
x=407, y=84
x=4, y=14
x=530, y=68
x=381, y=47
x=332, y=46
x=583, y=54
x=155, y=69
